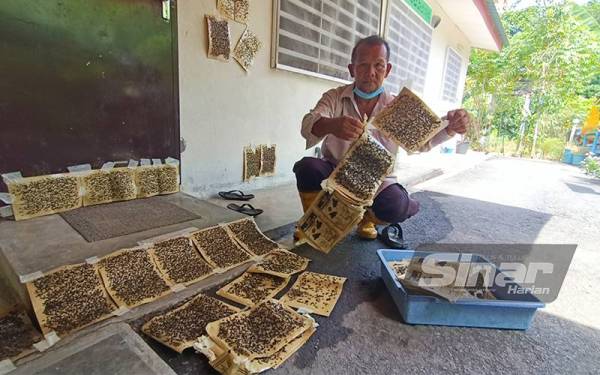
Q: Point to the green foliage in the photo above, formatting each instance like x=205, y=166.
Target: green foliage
x=592, y=9
x=502, y=145
x=506, y=114
x=591, y=165
x=540, y=82
x=552, y=148
x=592, y=90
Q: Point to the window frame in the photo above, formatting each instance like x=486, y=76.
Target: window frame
x=275, y=45
x=442, y=88
x=389, y=4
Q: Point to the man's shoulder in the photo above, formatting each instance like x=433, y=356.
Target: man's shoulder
x=339, y=91
x=388, y=97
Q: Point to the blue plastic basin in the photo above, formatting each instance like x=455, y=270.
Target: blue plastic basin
x=577, y=159
x=514, y=313
x=567, y=156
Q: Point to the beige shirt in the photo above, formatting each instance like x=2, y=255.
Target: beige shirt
x=340, y=102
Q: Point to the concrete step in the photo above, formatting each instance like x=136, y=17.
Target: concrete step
x=115, y=349
x=42, y=244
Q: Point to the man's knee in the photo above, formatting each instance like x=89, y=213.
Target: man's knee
x=310, y=172
x=305, y=165
x=393, y=205
x=397, y=213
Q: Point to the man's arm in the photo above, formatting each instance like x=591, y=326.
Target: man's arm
x=320, y=122
x=324, y=109
x=458, y=122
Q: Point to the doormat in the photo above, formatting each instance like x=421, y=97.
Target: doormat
x=97, y=223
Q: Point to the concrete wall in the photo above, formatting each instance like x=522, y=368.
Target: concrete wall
x=444, y=36
x=224, y=109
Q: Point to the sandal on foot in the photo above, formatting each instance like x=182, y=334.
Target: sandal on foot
x=393, y=237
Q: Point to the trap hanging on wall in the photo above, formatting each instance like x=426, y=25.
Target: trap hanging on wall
x=259, y=161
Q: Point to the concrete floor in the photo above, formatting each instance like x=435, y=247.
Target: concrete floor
x=497, y=201
x=44, y=243
x=282, y=204
x=501, y=200
x=114, y=350
x=48, y=242
x=7, y=298
x=21, y=241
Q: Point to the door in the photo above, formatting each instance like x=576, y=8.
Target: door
x=86, y=81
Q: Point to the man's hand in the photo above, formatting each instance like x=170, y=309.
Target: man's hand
x=345, y=127
x=458, y=122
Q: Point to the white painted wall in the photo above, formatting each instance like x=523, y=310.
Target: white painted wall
x=223, y=109
x=444, y=36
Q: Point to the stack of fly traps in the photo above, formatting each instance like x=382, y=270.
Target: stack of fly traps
x=83, y=186
x=351, y=187
x=72, y=297
x=353, y=184
x=252, y=341
x=179, y=328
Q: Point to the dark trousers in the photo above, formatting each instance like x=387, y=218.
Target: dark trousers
x=392, y=204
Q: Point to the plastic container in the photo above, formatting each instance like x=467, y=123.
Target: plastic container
x=462, y=147
x=505, y=313
x=577, y=159
x=567, y=156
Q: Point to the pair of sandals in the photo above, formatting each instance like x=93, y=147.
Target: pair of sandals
x=238, y=195
x=392, y=236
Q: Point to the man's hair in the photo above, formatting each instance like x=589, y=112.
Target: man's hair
x=373, y=40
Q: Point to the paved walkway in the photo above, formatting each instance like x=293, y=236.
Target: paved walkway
x=282, y=205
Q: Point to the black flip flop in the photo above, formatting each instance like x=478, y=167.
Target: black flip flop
x=235, y=195
x=393, y=237
x=245, y=209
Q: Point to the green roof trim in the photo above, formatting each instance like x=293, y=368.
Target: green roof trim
x=496, y=18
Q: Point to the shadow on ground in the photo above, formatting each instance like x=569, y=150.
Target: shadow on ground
x=365, y=333
x=582, y=189
x=589, y=180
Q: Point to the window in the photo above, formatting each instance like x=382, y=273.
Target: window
x=451, y=75
x=317, y=36
x=410, y=41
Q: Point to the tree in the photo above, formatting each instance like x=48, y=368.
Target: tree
x=552, y=59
